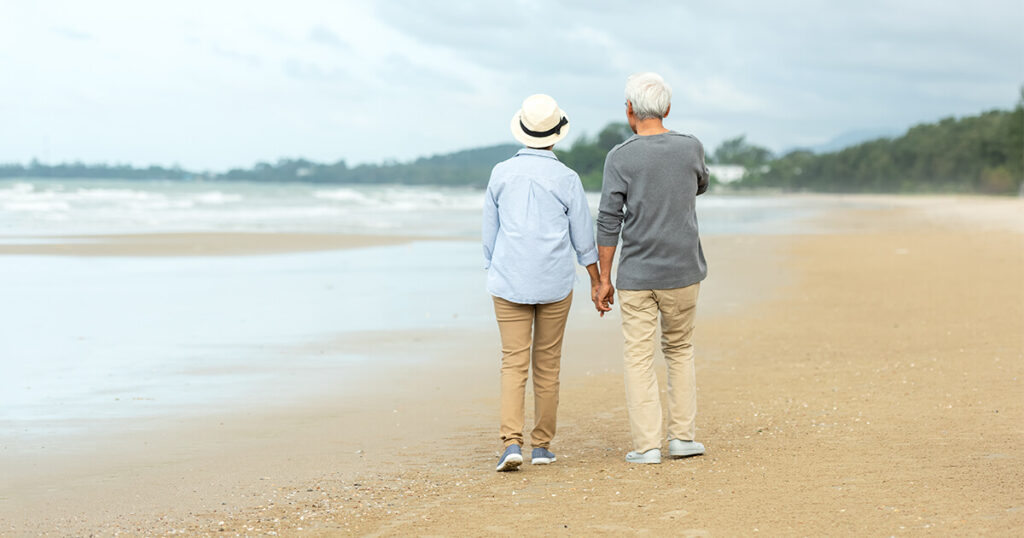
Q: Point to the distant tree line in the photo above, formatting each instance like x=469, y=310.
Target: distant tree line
x=35, y=169
x=586, y=155
x=982, y=153
x=470, y=167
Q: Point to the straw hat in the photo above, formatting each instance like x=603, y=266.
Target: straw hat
x=540, y=123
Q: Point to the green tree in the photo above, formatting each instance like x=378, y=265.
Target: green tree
x=739, y=151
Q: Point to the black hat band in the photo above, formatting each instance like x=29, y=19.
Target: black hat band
x=557, y=129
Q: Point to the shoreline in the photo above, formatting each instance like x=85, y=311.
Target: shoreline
x=832, y=383
x=185, y=244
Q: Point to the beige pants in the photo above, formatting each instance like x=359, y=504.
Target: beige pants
x=516, y=322
x=640, y=311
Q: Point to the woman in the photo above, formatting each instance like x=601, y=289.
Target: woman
x=535, y=216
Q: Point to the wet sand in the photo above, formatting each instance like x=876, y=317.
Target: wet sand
x=191, y=244
x=867, y=382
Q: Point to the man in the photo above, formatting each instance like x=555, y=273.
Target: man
x=536, y=227
x=656, y=175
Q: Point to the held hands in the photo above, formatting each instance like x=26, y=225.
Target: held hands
x=601, y=290
x=602, y=293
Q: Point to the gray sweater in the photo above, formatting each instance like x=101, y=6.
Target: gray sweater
x=649, y=193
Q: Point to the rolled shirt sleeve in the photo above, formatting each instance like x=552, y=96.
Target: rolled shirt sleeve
x=490, y=225
x=581, y=227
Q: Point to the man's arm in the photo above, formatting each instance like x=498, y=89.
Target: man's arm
x=703, y=176
x=609, y=223
x=604, y=296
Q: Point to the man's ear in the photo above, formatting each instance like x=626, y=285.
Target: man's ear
x=667, y=110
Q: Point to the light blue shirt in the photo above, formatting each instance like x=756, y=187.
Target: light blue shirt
x=535, y=216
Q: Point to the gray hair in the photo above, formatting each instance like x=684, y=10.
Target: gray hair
x=649, y=94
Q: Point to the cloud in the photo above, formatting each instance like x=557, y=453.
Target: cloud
x=250, y=60
x=509, y=38
x=402, y=74
x=335, y=79
x=71, y=33
x=322, y=35
x=310, y=71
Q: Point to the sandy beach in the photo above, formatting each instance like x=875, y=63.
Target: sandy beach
x=191, y=244
x=868, y=381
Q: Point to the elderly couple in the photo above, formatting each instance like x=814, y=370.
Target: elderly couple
x=536, y=215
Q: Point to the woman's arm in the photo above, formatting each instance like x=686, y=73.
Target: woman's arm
x=490, y=225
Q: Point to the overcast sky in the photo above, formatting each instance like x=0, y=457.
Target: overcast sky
x=216, y=84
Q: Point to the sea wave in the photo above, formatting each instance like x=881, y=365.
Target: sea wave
x=49, y=206
x=217, y=198
x=36, y=206
x=344, y=195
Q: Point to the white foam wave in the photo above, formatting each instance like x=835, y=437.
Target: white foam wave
x=110, y=195
x=118, y=206
x=37, y=206
x=217, y=198
x=343, y=195
x=16, y=189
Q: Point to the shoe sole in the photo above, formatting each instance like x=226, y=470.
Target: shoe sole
x=541, y=461
x=510, y=463
x=687, y=452
x=640, y=458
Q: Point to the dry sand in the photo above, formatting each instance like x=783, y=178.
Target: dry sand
x=861, y=383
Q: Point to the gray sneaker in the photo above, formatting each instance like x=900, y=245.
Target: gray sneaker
x=542, y=456
x=678, y=448
x=651, y=456
x=511, y=459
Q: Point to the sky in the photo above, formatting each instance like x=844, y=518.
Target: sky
x=210, y=85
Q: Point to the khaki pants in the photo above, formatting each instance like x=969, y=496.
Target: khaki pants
x=640, y=309
x=516, y=322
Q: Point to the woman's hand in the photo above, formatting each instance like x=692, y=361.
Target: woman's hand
x=603, y=295
x=601, y=291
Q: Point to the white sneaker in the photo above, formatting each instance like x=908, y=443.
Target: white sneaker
x=651, y=456
x=683, y=449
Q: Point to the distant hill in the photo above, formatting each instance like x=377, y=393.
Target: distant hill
x=471, y=167
x=982, y=153
x=849, y=138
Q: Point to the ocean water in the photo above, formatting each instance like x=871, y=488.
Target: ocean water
x=86, y=340
x=62, y=207
x=76, y=207
x=116, y=337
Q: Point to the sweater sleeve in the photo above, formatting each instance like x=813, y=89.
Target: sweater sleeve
x=613, y=199
x=703, y=176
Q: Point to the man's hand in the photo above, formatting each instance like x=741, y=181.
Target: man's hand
x=595, y=287
x=604, y=297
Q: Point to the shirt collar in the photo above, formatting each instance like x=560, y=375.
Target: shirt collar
x=538, y=152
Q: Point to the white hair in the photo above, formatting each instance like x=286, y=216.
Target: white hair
x=649, y=94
